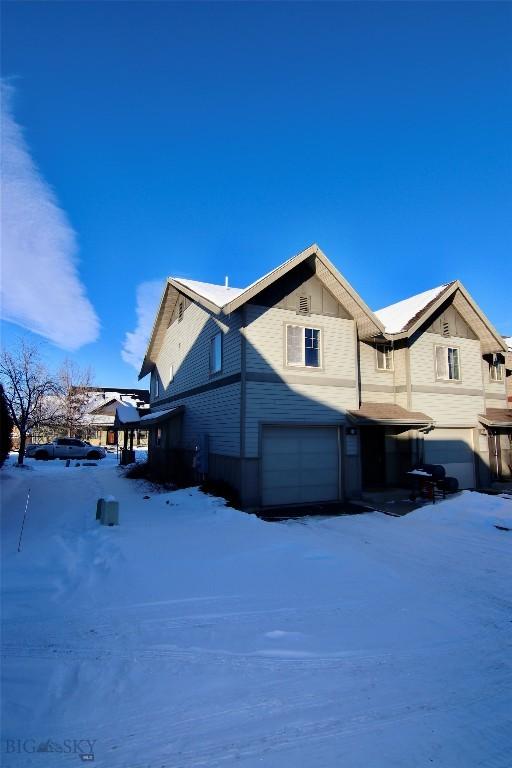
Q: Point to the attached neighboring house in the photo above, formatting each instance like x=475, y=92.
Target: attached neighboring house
x=293, y=391
x=441, y=359
x=508, y=367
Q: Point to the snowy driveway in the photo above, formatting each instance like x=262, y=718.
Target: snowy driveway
x=194, y=635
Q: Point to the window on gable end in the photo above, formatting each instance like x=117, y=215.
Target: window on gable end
x=447, y=363
x=302, y=346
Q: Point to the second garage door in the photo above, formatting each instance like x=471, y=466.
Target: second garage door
x=299, y=465
x=453, y=448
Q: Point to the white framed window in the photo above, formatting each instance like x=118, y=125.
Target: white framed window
x=384, y=354
x=496, y=368
x=303, y=346
x=156, y=384
x=171, y=374
x=216, y=353
x=447, y=363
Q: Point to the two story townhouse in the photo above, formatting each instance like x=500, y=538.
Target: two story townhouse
x=293, y=391
x=441, y=358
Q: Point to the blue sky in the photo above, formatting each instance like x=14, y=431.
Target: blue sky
x=209, y=139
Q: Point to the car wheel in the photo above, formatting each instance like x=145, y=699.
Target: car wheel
x=93, y=455
x=42, y=456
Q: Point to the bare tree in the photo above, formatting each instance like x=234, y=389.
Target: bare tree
x=74, y=397
x=28, y=388
x=6, y=425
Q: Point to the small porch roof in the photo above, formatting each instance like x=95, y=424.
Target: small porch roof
x=388, y=414
x=497, y=417
x=134, y=420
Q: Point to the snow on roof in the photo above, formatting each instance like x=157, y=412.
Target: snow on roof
x=397, y=317
x=159, y=414
x=126, y=414
x=218, y=294
x=508, y=342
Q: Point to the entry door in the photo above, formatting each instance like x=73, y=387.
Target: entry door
x=373, y=457
x=299, y=465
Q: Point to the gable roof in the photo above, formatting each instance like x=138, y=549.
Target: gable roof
x=398, y=317
x=406, y=317
x=221, y=300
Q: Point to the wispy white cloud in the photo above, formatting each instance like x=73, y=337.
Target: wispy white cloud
x=135, y=342
x=41, y=289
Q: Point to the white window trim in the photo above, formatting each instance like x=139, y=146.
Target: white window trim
x=447, y=347
x=499, y=367
x=156, y=384
x=302, y=364
x=210, y=361
x=390, y=347
x=171, y=373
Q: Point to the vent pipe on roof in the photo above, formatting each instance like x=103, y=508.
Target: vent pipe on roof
x=226, y=282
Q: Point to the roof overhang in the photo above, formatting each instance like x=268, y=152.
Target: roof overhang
x=497, y=417
x=388, y=414
x=490, y=339
x=368, y=325
x=151, y=419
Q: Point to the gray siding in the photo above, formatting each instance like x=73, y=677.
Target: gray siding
x=448, y=402
x=266, y=348
x=215, y=411
x=376, y=386
x=293, y=394
x=186, y=347
x=495, y=391
x=383, y=386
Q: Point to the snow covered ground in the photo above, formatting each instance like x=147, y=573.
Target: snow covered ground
x=195, y=635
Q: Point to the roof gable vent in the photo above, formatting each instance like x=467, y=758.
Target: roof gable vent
x=446, y=328
x=303, y=305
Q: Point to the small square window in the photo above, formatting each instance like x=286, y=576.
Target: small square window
x=384, y=357
x=216, y=353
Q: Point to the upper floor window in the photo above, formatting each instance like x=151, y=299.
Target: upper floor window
x=171, y=374
x=384, y=354
x=302, y=346
x=496, y=368
x=216, y=353
x=448, y=363
x=156, y=384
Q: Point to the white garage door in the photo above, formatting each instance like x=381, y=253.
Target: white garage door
x=299, y=465
x=453, y=448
